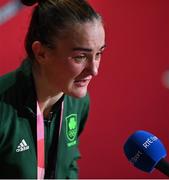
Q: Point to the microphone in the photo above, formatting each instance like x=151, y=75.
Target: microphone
x=146, y=152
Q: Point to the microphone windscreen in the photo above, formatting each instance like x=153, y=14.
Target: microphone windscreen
x=144, y=150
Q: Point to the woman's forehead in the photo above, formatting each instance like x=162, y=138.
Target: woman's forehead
x=89, y=33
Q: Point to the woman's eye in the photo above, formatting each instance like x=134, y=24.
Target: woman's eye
x=98, y=56
x=80, y=58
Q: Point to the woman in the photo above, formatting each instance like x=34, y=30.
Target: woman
x=44, y=103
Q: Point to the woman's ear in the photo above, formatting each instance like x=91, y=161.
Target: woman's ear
x=39, y=52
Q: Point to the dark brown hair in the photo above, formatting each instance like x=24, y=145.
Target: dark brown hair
x=51, y=17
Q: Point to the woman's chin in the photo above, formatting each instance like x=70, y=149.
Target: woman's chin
x=78, y=93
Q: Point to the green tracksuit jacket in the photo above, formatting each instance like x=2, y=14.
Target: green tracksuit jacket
x=18, y=128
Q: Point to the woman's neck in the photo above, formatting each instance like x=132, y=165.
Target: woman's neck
x=45, y=95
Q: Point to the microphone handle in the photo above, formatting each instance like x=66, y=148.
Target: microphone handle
x=163, y=166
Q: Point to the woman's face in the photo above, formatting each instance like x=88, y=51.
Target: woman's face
x=75, y=61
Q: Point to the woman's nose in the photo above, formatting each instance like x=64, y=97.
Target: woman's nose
x=93, y=67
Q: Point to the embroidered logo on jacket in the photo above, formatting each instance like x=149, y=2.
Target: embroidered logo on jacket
x=22, y=146
x=71, y=129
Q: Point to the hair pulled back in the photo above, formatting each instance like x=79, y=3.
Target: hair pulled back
x=51, y=17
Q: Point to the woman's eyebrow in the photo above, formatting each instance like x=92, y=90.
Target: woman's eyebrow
x=104, y=46
x=86, y=49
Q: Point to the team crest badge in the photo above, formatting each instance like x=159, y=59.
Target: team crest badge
x=71, y=127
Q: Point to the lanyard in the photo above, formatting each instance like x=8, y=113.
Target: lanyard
x=40, y=141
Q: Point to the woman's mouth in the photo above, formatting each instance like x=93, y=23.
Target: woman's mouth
x=82, y=82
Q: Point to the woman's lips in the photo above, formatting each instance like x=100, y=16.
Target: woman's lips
x=82, y=82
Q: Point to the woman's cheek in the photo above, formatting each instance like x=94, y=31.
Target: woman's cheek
x=75, y=69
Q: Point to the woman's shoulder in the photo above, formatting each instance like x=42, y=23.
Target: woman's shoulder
x=12, y=78
x=7, y=80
